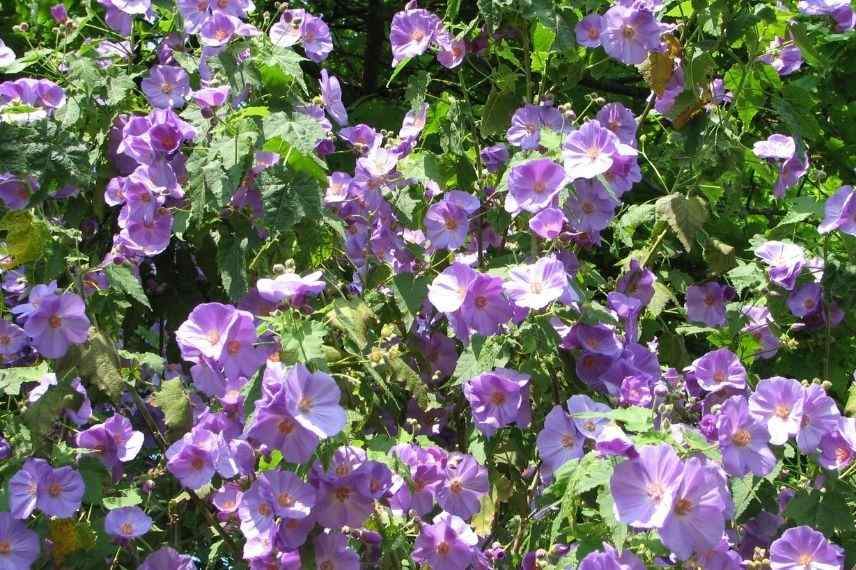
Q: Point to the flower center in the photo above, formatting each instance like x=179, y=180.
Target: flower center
x=127, y=529
x=809, y=304
x=214, y=337
x=228, y=505
x=417, y=35
x=342, y=470
x=536, y=287
x=593, y=33
x=782, y=411
x=655, y=492
x=285, y=500
x=55, y=322
x=451, y=224
x=592, y=152
x=305, y=404
x=629, y=32
x=264, y=510
x=327, y=565
x=481, y=302
x=5, y=547
x=842, y=455
x=683, y=506
x=286, y=427
x=221, y=34
x=456, y=486
x=197, y=463
x=497, y=398
x=568, y=440
x=587, y=207
x=539, y=187
x=342, y=494
x=443, y=548
x=709, y=300
x=4, y=340
x=589, y=425
x=166, y=88
x=719, y=376
x=54, y=489
x=806, y=560
x=741, y=438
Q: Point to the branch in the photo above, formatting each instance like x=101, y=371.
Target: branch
x=615, y=87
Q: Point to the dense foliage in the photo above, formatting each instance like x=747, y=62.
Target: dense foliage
x=465, y=284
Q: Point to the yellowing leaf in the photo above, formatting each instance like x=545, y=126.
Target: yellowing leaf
x=25, y=238
x=657, y=70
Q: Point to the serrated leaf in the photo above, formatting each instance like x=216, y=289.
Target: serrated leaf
x=288, y=197
x=498, y=109
x=356, y=319
x=174, y=402
x=123, y=279
x=686, y=216
x=129, y=498
x=410, y=291
x=657, y=71
x=481, y=355
x=152, y=361
x=232, y=263
x=304, y=342
x=11, y=379
x=97, y=363
x=746, y=276
x=300, y=131
x=635, y=216
x=661, y=299
x=26, y=237
x=720, y=256
x=42, y=414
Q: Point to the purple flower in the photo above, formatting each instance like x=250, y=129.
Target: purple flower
x=256, y=510
x=286, y=32
x=620, y=120
x=485, y=308
x=241, y=357
x=803, y=547
x=166, y=86
x=332, y=551
x=804, y=300
x=706, y=303
x=167, y=558
x=776, y=147
x=449, y=289
x=793, y=166
x=127, y=523
x=331, y=94
x=778, y=403
x=291, y=288
x=637, y=282
x=758, y=325
x=590, y=208
x=493, y=157
x=696, y=522
x=24, y=487
x=610, y=560
x=292, y=498
x=588, y=30
x=743, y=440
x=560, y=440
x=195, y=458
x=59, y=491
x=840, y=212
x=837, y=448
x=205, y=331
x=210, y=98
x=411, y=33
x=720, y=370
x=414, y=122
x=452, y=50
x=7, y=56
x=636, y=391
x=533, y=185
x=590, y=150
x=784, y=260
x=340, y=502
x=784, y=55
x=14, y=192
x=630, y=32
x=548, y=223
x=591, y=427
x=498, y=398
x=446, y=222
x=465, y=484
x=527, y=122
x=275, y=427
x=312, y=399
x=12, y=340
x=218, y=29
x=599, y=339
x=114, y=441
x=537, y=285
x=59, y=321
x=19, y=546
x=644, y=488
x=820, y=417
x=447, y=544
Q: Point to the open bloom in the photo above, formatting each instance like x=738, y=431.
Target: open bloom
x=840, y=212
x=447, y=221
x=706, y=303
x=590, y=150
x=312, y=399
x=743, y=440
x=465, y=484
x=802, y=547
x=498, y=398
x=115, y=441
x=590, y=208
x=291, y=287
x=718, y=370
x=166, y=86
x=537, y=285
x=820, y=417
x=588, y=30
x=784, y=260
x=19, y=546
x=58, y=322
x=560, y=440
x=778, y=402
x=838, y=448
x=630, y=32
x=127, y=523
x=644, y=488
x=447, y=544
x=609, y=559
x=205, y=331
x=533, y=185
x=411, y=32
x=167, y=558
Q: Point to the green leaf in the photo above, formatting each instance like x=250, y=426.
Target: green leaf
x=661, y=299
x=304, y=342
x=232, y=262
x=542, y=40
x=685, y=216
x=285, y=61
x=481, y=355
x=635, y=216
x=356, y=319
x=129, y=498
x=122, y=278
x=720, y=256
x=746, y=276
x=174, y=402
x=11, y=379
x=97, y=363
x=404, y=374
x=300, y=131
x=410, y=291
x=95, y=478
x=742, y=492
x=498, y=109
x=42, y=414
x=288, y=197
x=154, y=362
x=398, y=69
x=618, y=530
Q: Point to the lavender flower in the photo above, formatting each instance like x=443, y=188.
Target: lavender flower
x=590, y=208
x=784, y=260
x=205, y=331
x=644, y=488
x=588, y=31
x=411, y=33
x=127, y=523
x=559, y=441
x=493, y=157
x=527, y=122
x=167, y=558
x=590, y=150
x=778, y=403
x=630, y=32
x=578, y=406
x=7, y=56
x=820, y=417
x=533, y=185
x=719, y=370
x=498, y=399
x=332, y=551
x=19, y=546
x=312, y=399
x=446, y=544
x=537, y=285
x=331, y=94
x=58, y=322
x=465, y=484
x=291, y=288
x=114, y=441
x=706, y=303
x=446, y=222
x=609, y=559
x=12, y=340
x=837, y=448
x=804, y=547
x=548, y=223
x=620, y=120
x=166, y=86
x=840, y=212
x=14, y=191
x=743, y=440
x=784, y=55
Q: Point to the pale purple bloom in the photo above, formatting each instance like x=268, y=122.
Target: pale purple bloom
x=537, y=285
x=218, y=29
x=210, y=98
x=332, y=551
x=493, y=157
x=706, y=303
x=527, y=122
x=7, y=56
x=805, y=299
x=636, y=391
x=644, y=488
x=840, y=212
x=241, y=357
x=629, y=33
x=637, y=282
x=312, y=399
x=720, y=370
x=560, y=440
x=331, y=94
x=340, y=502
x=195, y=458
x=590, y=150
x=590, y=208
x=14, y=191
x=580, y=405
x=784, y=260
x=533, y=185
x=609, y=559
x=12, y=340
x=784, y=55
x=20, y=545
x=447, y=221
x=275, y=427
x=778, y=403
x=115, y=441
x=620, y=120
x=449, y=289
x=58, y=322
x=287, y=31
x=598, y=338
x=205, y=331
x=414, y=122
x=411, y=33
x=588, y=30
x=820, y=417
x=465, y=484
x=256, y=510
x=447, y=544
x=696, y=522
x=166, y=86
x=452, y=50
x=498, y=398
x=60, y=492
x=127, y=523
x=167, y=558
x=292, y=498
x=758, y=325
x=291, y=287
x=743, y=440
x=485, y=308
x=776, y=147
x=803, y=548
x=548, y=223
x=793, y=164
x=837, y=448
x=24, y=487
x=378, y=162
